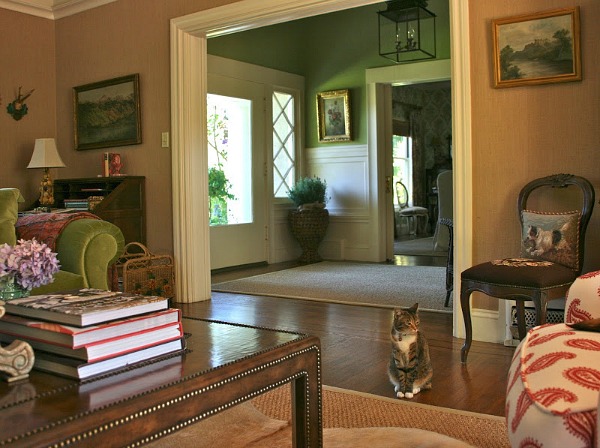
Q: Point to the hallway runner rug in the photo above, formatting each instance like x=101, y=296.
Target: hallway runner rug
x=367, y=284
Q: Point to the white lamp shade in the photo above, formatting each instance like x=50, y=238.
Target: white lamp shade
x=45, y=155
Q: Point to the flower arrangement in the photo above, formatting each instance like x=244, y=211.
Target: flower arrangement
x=28, y=264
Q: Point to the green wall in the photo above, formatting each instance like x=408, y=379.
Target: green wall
x=331, y=51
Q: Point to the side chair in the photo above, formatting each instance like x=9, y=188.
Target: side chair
x=413, y=213
x=552, y=254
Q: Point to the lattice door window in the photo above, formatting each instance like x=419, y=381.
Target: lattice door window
x=284, y=154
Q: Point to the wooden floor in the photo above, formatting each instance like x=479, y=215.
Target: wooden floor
x=355, y=343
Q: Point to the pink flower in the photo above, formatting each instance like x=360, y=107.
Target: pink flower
x=30, y=263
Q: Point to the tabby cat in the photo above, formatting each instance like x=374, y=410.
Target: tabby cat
x=410, y=366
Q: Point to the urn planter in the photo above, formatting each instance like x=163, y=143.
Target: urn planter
x=308, y=226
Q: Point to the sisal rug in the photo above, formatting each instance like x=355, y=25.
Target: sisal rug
x=350, y=419
x=369, y=284
x=419, y=246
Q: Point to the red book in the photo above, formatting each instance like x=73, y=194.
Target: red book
x=75, y=368
x=110, y=348
x=75, y=337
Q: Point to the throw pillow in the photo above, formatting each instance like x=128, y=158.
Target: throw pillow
x=9, y=209
x=552, y=237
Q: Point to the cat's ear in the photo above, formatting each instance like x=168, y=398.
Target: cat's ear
x=413, y=309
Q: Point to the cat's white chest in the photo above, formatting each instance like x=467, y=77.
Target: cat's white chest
x=404, y=344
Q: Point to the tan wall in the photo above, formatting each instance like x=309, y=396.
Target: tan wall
x=521, y=133
x=121, y=38
x=27, y=59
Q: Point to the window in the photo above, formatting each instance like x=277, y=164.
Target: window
x=402, y=158
x=229, y=122
x=284, y=143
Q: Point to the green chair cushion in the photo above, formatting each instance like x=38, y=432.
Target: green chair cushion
x=63, y=281
x=9, y=210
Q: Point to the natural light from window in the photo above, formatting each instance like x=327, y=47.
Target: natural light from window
x=283, y=143
x=229, y=130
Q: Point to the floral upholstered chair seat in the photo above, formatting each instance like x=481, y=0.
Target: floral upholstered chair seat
x=554, y=381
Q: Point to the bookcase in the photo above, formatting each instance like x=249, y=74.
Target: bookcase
x=122, y=201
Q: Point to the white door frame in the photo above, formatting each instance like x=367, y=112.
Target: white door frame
x=188, y=88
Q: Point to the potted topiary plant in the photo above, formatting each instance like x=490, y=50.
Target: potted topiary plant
x=310, y=219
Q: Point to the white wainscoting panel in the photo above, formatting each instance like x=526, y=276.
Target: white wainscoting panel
x=345, y=168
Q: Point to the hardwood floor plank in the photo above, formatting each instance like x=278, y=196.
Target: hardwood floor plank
x=355, y=347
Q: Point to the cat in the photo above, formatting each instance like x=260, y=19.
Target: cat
x=409, y=368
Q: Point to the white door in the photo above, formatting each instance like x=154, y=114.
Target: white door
x=236, y=127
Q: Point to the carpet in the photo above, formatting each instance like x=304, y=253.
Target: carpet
x=420, y=246
x=350, y=419
x=367, y=284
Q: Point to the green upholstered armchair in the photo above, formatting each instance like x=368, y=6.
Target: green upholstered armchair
x=86, y=248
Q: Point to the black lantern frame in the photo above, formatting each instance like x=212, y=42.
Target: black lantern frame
x=407, y=31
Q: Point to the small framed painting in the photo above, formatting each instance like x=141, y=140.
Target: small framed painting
x=537, y=48
x=333, y=116
x=107, y=113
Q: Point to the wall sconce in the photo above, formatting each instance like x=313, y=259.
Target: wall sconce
x=45, y=155
x=406, y=31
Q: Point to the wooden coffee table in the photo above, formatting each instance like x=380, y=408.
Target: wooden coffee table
x=224, y=365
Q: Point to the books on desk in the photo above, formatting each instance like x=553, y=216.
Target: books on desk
x=76, y=337
x=108, y=348
x=75, y=368
x=85, y=307
x=112, y=330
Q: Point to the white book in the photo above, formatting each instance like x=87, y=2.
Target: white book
x=74, y=368
x=85, y=307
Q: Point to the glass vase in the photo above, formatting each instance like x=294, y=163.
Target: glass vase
x=11, y=290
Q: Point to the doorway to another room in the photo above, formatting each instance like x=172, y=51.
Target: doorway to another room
x=421, y=150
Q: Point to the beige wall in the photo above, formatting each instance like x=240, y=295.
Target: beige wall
x=27, y=59
x=521, y=133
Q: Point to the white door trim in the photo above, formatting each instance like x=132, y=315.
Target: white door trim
x=188, y=87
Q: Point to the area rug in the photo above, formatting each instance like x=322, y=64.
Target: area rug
x=350, y=419
x=420, y=246
x=367, y=284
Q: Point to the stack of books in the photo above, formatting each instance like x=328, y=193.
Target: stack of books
x=91, y=332
x=77, y=204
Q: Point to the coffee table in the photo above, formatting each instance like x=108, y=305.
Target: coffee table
x=224, y=365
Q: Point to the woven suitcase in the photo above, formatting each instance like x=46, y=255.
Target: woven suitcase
x=145, y=273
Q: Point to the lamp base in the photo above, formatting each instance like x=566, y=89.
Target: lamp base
x=47, y=189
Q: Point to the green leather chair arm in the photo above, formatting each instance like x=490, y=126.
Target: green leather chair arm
x=88, y=247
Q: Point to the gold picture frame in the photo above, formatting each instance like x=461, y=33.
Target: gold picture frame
x=333, y=116
x=107, y=113
x=538, y=48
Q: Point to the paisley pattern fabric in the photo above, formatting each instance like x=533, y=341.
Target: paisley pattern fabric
x=520, y=262
x=553, y=388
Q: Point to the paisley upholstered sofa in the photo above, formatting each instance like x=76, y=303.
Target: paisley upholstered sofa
x=554, y=381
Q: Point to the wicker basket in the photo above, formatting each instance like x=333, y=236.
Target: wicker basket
x=145, y=273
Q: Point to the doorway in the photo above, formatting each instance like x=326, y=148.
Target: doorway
x=188, y=47
x=422, y=135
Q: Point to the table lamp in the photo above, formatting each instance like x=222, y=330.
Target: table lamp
x=45, y=155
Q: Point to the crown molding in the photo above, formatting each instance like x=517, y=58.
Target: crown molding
x=52, y=9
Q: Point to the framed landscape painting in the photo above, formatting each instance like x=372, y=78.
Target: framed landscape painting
x=537, y=48
x=333, y=116
x=107, y=113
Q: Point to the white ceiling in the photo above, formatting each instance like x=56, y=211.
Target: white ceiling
x=52, y=9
